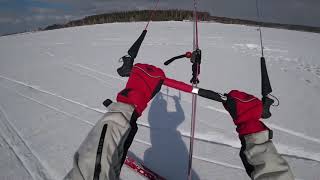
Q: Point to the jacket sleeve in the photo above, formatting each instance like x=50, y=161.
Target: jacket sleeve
x=261, y=159
x=102, y=153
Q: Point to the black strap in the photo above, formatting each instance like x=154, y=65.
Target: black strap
x=97, y=168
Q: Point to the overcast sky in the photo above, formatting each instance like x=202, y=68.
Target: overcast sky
x=20, y=15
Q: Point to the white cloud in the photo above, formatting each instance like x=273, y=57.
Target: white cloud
x=10, y=20
x=44, y=18
x=40, y=10
x=6, y=19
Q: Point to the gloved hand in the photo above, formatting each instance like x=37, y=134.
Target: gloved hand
x=144, y=83
x=245, y=110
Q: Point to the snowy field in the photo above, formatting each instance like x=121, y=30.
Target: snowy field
x=53, y=83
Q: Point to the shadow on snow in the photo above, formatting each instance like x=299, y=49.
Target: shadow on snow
x=168, y=154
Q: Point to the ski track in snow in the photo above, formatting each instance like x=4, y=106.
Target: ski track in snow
x=295, y=133
x=287, y=151
x=22, y=150
x=91, y=76
x=276, y=127
x=218, y=163
x=50, y=93
x=197, y=157
x=98, y=72
x=48, y=106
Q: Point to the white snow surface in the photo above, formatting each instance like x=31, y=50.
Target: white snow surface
x=53, y=83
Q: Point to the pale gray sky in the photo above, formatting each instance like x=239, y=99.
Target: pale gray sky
x=19, y=15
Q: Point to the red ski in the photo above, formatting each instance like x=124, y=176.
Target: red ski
x=141, y=169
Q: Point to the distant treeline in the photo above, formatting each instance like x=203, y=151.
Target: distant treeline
x=133, y=16
x=171, y=15
x=265, y=24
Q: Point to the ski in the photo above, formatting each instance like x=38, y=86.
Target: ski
x=141, y=169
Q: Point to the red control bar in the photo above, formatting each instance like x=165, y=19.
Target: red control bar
x=190, y=89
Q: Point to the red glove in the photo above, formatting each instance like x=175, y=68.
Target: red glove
x=245, y=110
x=144, y=83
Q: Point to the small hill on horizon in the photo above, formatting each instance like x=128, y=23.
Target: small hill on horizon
x=172, y=15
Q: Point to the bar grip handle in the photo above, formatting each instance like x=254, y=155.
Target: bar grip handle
x=173, y=59
x=125, y=69
x=128, y=60
x=134, y=49
x=211, y=95
x=267, y=102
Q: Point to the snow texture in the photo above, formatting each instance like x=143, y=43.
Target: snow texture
x=53, y=83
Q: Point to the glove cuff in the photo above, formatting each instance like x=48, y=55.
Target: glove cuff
x=135, y=98
x=251, y=127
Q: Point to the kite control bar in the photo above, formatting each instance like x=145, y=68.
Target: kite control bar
x=128, y=64
x=195, y=58
x=193, y=90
